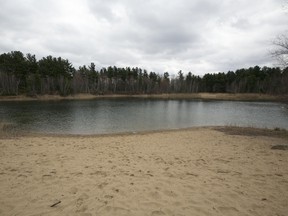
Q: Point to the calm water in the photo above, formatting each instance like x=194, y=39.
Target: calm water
x=123, y=115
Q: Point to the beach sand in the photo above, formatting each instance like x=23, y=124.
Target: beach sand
x=177, y=96
x=198, y=171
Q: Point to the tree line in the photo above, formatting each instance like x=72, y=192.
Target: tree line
x=23, y=74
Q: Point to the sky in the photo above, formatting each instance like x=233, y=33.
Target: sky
x=198, y=36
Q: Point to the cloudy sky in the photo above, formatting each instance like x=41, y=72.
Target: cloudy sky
x=201, y=36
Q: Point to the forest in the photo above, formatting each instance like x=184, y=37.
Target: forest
x=24, y=74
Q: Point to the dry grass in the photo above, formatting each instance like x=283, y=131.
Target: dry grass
x=250, y=131
x=223, y=96
x=202, y=96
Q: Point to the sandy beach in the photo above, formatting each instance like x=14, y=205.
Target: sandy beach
x=198, y=171
x=177, y=96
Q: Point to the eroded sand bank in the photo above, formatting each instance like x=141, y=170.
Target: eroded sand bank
x=200, y=171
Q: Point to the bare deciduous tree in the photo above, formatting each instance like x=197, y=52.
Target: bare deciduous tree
x=281, y=53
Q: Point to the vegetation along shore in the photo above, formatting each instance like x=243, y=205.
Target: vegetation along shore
x=24, y=74
x=172, y=96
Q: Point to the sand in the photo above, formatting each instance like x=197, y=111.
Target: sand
x=176, y=96
x=200, y=171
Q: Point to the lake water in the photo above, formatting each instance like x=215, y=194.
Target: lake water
x=129, y=115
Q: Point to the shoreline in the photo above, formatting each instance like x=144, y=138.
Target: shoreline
x=8, y=130
x=195, y=171
x=179, y=96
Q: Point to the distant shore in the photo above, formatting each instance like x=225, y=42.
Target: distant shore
x=201, y=96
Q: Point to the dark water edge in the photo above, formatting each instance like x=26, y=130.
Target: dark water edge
x=106, y=116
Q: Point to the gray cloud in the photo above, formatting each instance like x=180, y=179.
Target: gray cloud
x=199, y=36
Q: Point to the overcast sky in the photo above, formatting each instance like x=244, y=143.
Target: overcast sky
x=201, y=36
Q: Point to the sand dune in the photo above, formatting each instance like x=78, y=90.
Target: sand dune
x=199, y=171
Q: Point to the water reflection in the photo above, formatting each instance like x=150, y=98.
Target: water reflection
x=109, y=116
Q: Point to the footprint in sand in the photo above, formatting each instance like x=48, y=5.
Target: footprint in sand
x=22, y=176
x=80, y=207
x=12, y=169
x=228, y=210
x=114, y=210
x=53, y=172
x=79, y=202
x=73, y=190
x=99, y=173
x=78, y=174
x=222, y=160
x=192, y=174
x=170, y=193
x=222, y=171
x=102, y=185
x=47, y=177
x=107, y=196
x=157, y=212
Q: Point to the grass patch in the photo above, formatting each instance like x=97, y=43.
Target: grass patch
x=280, y=147
x=250, y=131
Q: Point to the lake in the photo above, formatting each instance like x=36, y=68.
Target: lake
x=132, y=115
